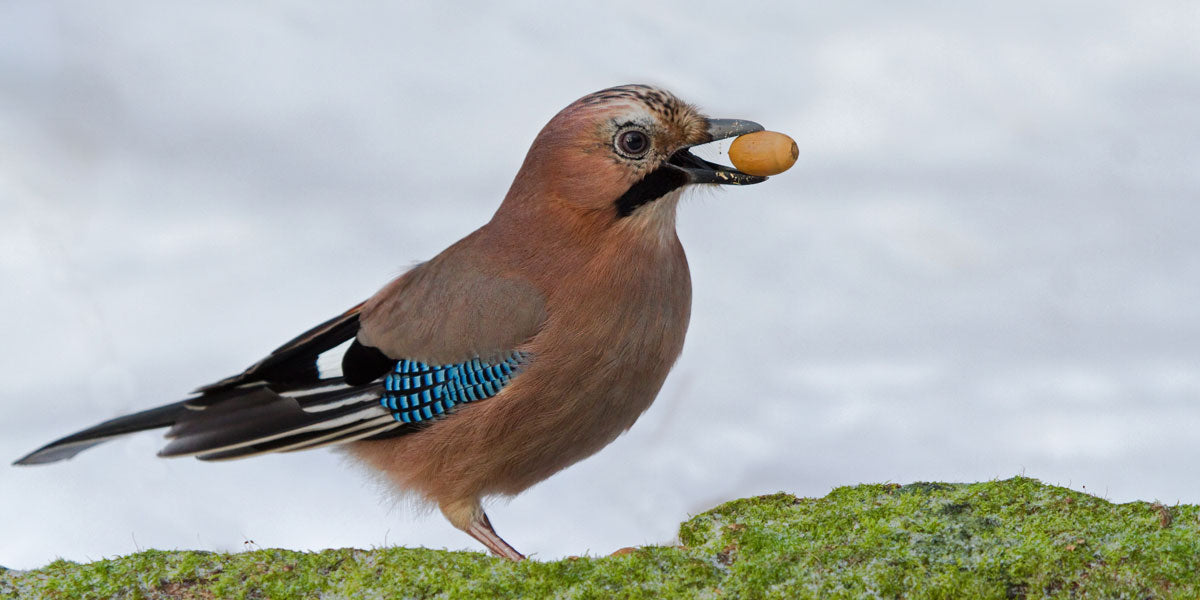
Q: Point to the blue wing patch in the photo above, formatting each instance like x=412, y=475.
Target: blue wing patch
x=418, y=392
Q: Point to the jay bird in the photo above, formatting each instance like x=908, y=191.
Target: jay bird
x=521, y=349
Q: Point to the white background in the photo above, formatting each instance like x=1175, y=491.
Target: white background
x=984, y=264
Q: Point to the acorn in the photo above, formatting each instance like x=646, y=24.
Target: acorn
x=763, y=153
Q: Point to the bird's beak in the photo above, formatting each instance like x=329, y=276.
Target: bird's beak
x=699, y=170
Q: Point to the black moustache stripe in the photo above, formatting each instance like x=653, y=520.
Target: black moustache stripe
x=653, y=186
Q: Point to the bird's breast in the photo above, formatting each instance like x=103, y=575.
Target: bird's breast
x=611, y=336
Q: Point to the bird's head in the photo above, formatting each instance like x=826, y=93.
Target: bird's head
x=622, y=153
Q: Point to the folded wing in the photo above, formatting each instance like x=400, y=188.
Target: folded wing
x=330, y=386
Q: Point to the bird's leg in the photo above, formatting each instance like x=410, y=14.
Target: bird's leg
x=481, y=529
x=469, y=517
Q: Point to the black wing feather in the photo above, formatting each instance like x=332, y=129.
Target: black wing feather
x=295, y=363
x=270, y=419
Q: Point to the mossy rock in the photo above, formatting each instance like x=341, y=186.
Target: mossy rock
x=1004, y=539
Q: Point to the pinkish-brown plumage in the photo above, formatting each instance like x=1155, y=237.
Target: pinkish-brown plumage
x=579, y=271
x=613, y=297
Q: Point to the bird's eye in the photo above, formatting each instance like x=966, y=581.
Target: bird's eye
x=633, y=143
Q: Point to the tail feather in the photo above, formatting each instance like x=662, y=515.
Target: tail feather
x=67, y=447
x=244, y=421
x=290, y=400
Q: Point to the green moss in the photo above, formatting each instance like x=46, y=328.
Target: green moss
x=1005, y=539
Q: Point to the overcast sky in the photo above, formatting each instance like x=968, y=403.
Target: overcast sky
x=985, y=262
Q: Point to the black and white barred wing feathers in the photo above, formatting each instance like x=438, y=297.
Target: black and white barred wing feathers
x=322, y=388
x=410, y=396
x=296, y=398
